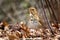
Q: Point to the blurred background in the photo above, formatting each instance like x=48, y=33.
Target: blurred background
x=17, y=10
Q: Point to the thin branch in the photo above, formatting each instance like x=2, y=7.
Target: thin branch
x=47, y=21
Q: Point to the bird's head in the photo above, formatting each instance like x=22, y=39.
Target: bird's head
x=33, y=12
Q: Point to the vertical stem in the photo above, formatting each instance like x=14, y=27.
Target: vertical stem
x=53, y=11
x=47, y=21
x=49, y=9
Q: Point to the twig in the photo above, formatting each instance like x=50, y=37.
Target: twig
x=47, y=21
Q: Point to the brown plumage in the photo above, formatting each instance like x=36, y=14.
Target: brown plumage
x=34, y=12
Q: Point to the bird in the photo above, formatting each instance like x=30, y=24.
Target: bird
x=34, y=12
x=34, y=20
